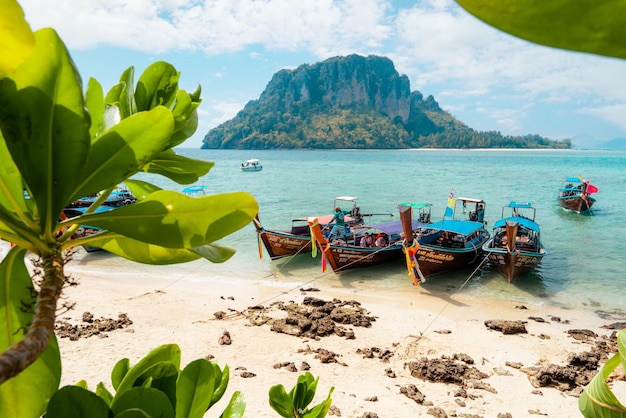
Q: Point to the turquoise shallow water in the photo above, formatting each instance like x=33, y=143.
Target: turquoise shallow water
x=584, y=267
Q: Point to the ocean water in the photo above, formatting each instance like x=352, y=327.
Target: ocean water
x=584, y=266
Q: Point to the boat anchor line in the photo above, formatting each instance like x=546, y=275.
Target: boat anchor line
x=422, y=333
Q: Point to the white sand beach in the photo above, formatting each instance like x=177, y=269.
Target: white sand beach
x=371, y=372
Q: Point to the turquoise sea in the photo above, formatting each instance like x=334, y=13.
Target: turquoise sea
x=584, y=267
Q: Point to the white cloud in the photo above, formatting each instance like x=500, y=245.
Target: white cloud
x=613, y=114
x=444, y=50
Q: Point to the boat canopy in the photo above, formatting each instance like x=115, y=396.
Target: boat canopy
x=456, y=226
x=393, y=227
x=573, y=180
x=522, y=205
x=469, y=199
x=348, y=198
x=415, y=205
x=194, y=189
x=524, y=222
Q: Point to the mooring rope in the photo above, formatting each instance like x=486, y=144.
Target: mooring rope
x=448, y=303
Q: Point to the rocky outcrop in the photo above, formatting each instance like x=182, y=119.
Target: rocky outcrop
x=349, y=102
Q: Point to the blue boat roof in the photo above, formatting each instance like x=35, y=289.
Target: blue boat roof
x=525, y=222
x=194, y=189
x=456, y=226
x=521, y=205
x=416, y=205
x=573, y=179
x=393, y=227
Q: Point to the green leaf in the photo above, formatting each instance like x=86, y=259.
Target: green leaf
x=597, y=400
x=127, y=97
x=164, y=353
x=221, y=382
x=103, y=393
x=141, y=189
x=124, y=149
x=133, y=413
x=157, y=86
x=45, y=125
x=119, y=371
x=13, y=207
x=215, y=253
x=236, y=407
x=195, y=389
x=16, y=39
x=94, y=100
x=28, y=393
x=185, y=117
x=180, y=169
x=138, y=251
x=161, y=376
x=281, y=402
x=75, y=402
x=320, y=411
x=174, y=220
x=304, y=391
x=151, y=401
x=586, y=26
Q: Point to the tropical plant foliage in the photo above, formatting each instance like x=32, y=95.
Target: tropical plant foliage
x=155, y=387
x=585, y=26
x=57, y=144
x=295, y=403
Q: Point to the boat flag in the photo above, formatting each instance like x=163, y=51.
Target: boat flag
x=450, y=206
x=324, y=257
x=258, y=238
x=592, y=189
x=313, y=243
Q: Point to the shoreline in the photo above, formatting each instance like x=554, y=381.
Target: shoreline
x=370, y=372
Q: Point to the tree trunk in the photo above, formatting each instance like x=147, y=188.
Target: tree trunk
x=24, y=353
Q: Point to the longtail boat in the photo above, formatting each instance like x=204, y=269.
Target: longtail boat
x=348, y=255
x=297, y=240
x=452, y=243
x=515, y=247
x=575, y=194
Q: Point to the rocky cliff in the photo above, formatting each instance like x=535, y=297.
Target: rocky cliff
x=348, y=102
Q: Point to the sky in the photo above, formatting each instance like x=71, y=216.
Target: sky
x=487, y=79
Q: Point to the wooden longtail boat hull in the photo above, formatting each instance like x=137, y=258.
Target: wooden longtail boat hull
x=343, y=257
x=280, y=244
x=433, y=260
x=577, y=204
x=512, y=265
x=515, y=248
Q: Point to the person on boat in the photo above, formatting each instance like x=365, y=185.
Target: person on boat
x=480, y=213
x=339, y=221
x=367, y=240
x=380, y=241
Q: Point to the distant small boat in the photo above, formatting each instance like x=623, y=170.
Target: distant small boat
x=251, y=165
x=195, y=191
x=575, y=194
x=515, y=247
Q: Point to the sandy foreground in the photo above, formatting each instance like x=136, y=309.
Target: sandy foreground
x=371, y=371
